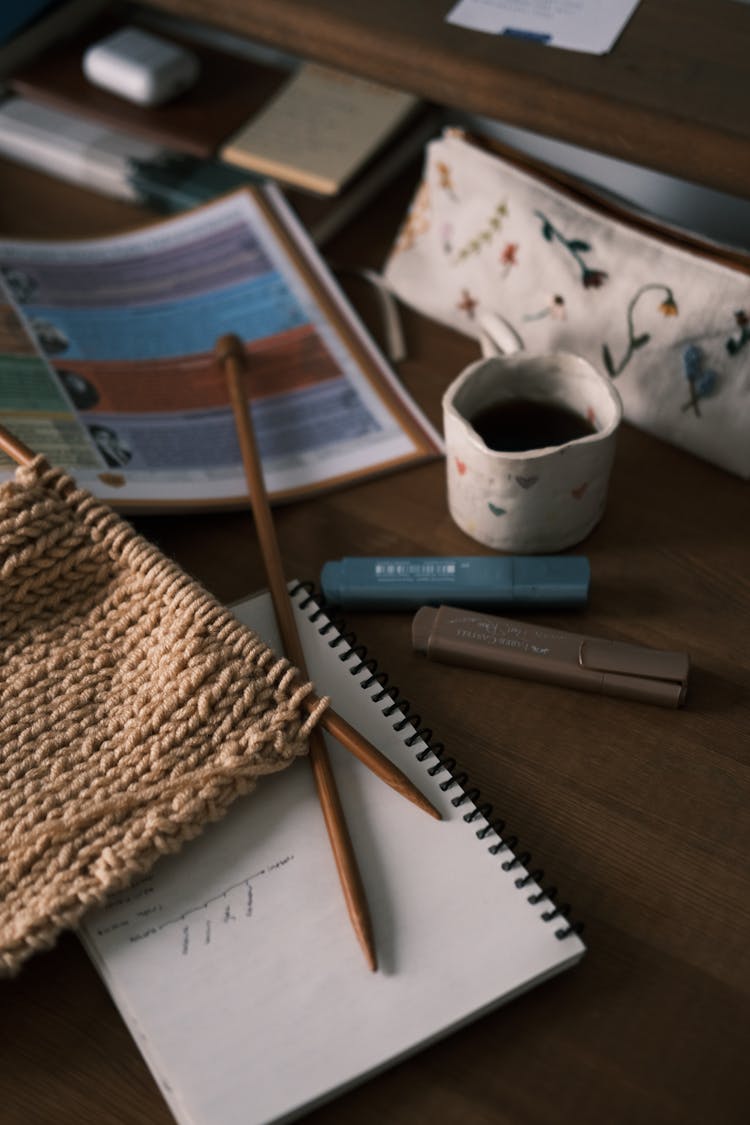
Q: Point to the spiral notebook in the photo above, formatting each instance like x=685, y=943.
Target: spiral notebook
x=234, y=964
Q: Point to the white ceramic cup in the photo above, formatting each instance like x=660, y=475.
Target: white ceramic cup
x=538, y=500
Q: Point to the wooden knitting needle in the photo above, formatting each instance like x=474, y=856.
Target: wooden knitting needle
x=15, y=448
x=231, y=356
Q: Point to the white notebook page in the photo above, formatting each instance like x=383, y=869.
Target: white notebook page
x=234, y=963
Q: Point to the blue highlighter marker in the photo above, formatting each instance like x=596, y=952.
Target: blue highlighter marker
x=390, y=583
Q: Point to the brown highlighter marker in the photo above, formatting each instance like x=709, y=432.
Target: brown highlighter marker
x=533, y=652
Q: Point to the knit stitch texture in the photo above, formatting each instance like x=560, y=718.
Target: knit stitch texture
x=133, y=708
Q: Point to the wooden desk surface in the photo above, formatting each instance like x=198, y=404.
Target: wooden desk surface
x=639, y=814
x=671, y=95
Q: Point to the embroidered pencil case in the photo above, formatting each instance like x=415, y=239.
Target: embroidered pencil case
x=667, y=317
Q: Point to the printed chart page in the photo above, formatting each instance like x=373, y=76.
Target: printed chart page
x=107, y=361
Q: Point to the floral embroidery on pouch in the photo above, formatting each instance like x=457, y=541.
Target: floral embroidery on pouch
x=668, y=307
x=445, y=180
x=736, y=343
x=555, y=308
x=701, y=380
x=492, y=227
x=576, y=247
x=509, y=257
x=467, y=304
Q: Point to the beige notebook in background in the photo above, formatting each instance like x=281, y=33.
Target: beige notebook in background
x=319, y=129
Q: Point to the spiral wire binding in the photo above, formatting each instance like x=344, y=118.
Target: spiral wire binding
x=455, y=777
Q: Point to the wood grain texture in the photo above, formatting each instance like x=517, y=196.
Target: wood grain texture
x=672, y=94
x=640, y=815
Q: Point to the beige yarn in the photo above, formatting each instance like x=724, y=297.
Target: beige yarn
x=133, y=707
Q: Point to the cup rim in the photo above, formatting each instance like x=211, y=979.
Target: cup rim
x=517, y=359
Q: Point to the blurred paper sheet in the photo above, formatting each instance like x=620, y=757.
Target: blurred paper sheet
x=576, y=25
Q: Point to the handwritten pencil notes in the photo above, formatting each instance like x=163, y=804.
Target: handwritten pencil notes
x=319, y=129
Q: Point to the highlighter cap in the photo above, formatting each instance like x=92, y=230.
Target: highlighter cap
x=559, y=580
x=421, y=627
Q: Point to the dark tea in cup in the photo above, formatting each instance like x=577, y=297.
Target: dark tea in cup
x=518, y=424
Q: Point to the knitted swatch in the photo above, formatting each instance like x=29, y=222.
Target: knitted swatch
x=133, y=707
